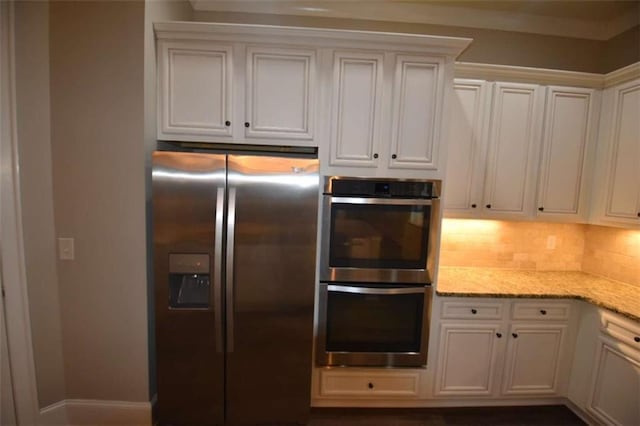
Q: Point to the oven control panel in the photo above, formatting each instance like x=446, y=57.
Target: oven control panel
x=380, y=188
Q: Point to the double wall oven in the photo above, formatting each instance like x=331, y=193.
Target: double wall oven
x=377, y=260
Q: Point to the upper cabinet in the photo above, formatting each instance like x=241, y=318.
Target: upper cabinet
x=617, y=180
x=270, y=95
x=373, y=103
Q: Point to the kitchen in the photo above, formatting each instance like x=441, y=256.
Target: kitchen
x=78, y=361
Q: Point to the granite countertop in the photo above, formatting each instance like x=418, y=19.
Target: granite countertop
x=486, y=282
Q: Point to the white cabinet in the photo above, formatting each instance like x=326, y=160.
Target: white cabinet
x=386, y=114
x=356, y=383
x=614, y=395
x=493, y=175
x=618, y=174
x=569, y=130
x=482, y=353
x=230, y=92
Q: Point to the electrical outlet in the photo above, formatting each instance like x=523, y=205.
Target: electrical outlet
x=65, y=249
x=551, y=242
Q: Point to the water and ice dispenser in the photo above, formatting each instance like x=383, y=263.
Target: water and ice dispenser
x=189, y=281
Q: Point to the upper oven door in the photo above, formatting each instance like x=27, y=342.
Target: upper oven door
x=375, y=239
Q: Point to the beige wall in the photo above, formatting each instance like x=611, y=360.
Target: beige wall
x=622, y=50
x=34, y=143
x=610, y=252
x=489, y=46
x=97, y=139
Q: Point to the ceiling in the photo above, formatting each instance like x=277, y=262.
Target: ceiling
x=590, y=19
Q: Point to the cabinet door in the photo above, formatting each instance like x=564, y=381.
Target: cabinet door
x=623, y=183
x=195, y=81
x=467, y=358
x=567, y=135
x=466, y=148
x=418, y=93
x=513, y=149
x=533, y=359
x=357, y=97
x=615, y=392
x=280, y=93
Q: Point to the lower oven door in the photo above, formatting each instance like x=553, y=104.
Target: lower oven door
x=373, y=325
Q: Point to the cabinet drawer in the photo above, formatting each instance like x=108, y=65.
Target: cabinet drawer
x=365, y=384
x=541, y=311
x=472, y=310
x=625, y=330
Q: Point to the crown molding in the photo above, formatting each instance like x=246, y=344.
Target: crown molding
x=622, y=75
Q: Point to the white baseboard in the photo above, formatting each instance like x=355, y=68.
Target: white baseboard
x=81, y=412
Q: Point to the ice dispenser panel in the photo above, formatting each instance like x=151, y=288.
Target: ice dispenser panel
x=189, y=283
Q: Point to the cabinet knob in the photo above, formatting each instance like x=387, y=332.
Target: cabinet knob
x=488, y=206
x=636, y=339
x=541, y=209
x=499, y=335
x=370, y=385
x=474, y=311
x=227, y=123
x=473, y=206
x=515, y=335
x=638, y=214
x=375, y=155
x=246, y=124
x=543, y=311
x=394, y=156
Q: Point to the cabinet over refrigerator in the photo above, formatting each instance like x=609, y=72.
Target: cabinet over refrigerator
x=234, y=240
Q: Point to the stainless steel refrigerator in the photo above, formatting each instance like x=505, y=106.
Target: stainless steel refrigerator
x=234, y=268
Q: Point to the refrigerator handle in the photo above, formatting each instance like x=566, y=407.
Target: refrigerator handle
x=231, y=225
x=217, y=270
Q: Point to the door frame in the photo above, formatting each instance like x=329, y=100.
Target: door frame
x=12, y=260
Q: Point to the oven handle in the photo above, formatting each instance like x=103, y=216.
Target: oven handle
x=388, y=201
x=370, y=290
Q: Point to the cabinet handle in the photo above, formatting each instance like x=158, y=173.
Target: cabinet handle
x=636, y=339
x=227, y=123
x=474, y=311
x=638, y=214
x=246, y=124
x=375, y=155
x=370, y=385
x=543, y=311
x=541, y=209
x=515, y=335
x=488, y=206
x=499, y=335
x=473, y=206
x=394, y=156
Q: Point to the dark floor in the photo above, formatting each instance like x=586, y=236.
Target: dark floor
x=556, y=415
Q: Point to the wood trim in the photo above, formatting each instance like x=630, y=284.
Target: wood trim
x=622, y=75
x=96, y=412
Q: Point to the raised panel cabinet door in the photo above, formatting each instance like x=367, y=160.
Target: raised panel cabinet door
x=356, y=103
x=533, y=359
x=195, y=81
x=615, y=392
x=514, y=139
x=569, y=116
x=467, y=359
x=623, y=183
x=280, y=93
x=466, y=147
x=417, y=98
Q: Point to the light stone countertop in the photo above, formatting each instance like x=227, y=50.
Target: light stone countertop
x=486, y=282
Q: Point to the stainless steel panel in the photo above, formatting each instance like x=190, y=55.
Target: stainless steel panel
x=190, y=373
x=371, y=359
x=180, y=263
x=269, y=370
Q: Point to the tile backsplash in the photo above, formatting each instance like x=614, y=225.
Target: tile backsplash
x=600, y=250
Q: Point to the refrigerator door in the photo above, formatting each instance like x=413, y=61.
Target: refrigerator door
x=188, y=213
x=271, y=252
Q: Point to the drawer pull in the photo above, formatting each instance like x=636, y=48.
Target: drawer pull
x=370, y=385
x=636, y=339
x=498, y=335
x=227, y=123
x=474, y=311
x=515, y=335
x=543, y=311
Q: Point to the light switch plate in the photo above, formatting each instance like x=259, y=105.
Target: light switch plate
x=65, y=249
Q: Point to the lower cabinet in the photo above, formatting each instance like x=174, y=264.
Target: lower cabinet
x=506, y=356
x=342, y=382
